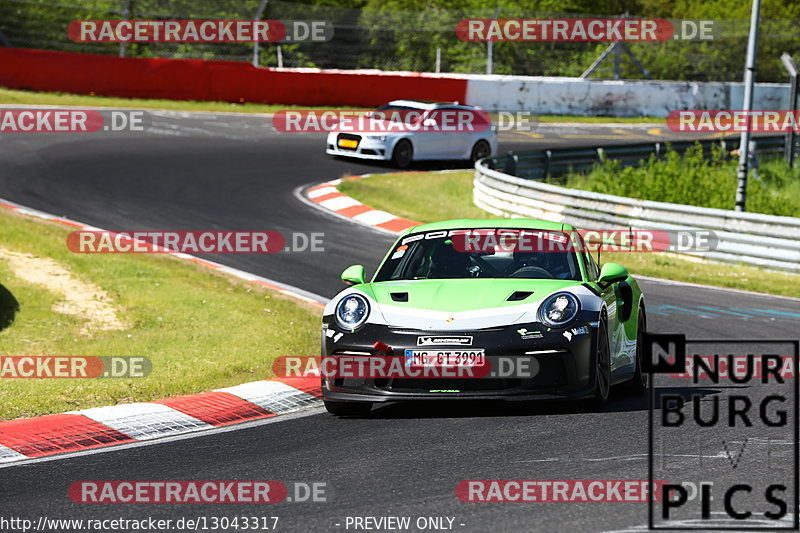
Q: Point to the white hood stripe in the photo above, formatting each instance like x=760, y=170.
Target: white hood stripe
x=427, y=319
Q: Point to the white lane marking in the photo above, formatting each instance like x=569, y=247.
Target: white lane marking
x=273, y=396
x=628, y=457
x=642, y=456
x=723, y=521
x=374, y=217
x=202, y=433
x=339, y=203
x=8, y=455
x=143, y=421
x=322, y=191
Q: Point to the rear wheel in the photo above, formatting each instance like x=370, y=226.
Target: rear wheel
x=479, y=151
x=638, y=385
x=348, y=408
x=403, y=154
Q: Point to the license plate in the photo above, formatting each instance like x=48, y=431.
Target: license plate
x=348, y=143
x=442, y=358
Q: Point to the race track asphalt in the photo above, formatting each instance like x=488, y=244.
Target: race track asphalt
x=229, y=172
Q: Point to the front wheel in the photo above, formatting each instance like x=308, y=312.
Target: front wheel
x=403, y=154
x=348, y=408
x=602, y=387
x=638, y=385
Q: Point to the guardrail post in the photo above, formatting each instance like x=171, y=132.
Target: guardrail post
x=792, y=68
x=747, y=106
x=511, y=163
x=490, y=48
x=259, y=13
x=546, y=170
x=126, y=14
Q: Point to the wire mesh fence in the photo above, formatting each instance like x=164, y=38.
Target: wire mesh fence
x=423, y=41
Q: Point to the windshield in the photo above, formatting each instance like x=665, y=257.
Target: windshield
x=451, y=254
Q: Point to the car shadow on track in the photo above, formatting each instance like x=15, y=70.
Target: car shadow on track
x=417, y=166
x=9, y=307
x=469, y=409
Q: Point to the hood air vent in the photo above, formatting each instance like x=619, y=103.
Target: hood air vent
x=519, y=295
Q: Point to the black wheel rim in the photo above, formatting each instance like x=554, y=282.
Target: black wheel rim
x=603, y=366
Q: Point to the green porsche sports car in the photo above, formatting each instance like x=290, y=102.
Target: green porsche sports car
x=483, y=309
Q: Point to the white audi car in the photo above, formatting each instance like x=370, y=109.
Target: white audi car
x=404, y=131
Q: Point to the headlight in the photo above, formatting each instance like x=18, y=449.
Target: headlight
x=559, y=309
x=376, y=137
x=352, y=311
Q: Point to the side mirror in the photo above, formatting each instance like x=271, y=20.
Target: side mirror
x=612, y=273
x=353, y=275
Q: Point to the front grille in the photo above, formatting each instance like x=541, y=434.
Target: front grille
x=465, y=385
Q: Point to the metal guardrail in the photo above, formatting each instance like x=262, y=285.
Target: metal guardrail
x=763, y=240
x=543, y=164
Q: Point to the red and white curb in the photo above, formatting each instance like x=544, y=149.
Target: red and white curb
x=86, y=429
x=30, y=438
x=328, y=197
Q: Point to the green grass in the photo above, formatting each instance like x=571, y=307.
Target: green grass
x=200, y=329
x=10, y=96
x=695, y=180
x=421, y=196
x=432, y=196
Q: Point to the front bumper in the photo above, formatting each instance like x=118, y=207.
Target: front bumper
x=565, y=365
x=367, y=148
